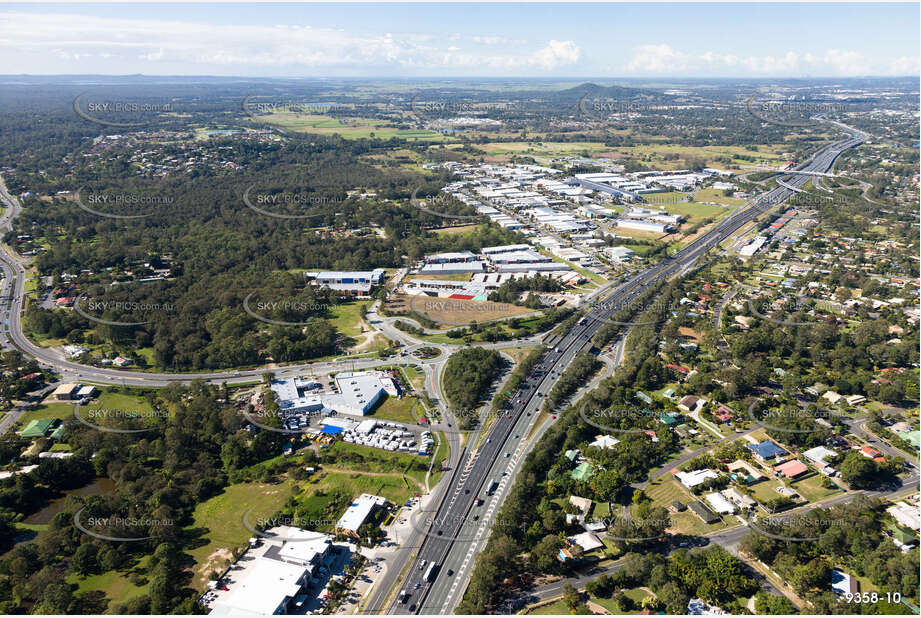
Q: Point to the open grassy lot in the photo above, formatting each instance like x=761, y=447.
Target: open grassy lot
x=666, y=197
x=116, y=585
x=716, y=195
x=107, y=400
x=351, y=128
x=459, y=229
x=634, y=594
x=665, y=491
x=453, y=312
x=346, y=318
x=811, y=488
x=405, y=410
x=222, y=518
x=446, y=277
x=383, y=467
x=696, y=212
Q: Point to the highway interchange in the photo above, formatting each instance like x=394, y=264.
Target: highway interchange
x=454, y=527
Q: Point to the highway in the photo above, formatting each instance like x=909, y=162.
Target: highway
x=458, y=528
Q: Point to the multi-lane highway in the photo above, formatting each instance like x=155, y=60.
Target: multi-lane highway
x=458, y=526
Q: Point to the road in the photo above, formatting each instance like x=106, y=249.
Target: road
x=459, y=528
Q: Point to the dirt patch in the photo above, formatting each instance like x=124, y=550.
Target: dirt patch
x=455, y=312
x=217, y=561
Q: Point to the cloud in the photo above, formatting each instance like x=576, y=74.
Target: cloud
x=157, y=46
x=663, y=59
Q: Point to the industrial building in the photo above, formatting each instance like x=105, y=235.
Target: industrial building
x=351, y=283
x=273, y=575
x=358, y=513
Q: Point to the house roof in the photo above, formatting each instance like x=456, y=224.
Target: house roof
x=583, y=471
x=766, y=449
x=792, y=468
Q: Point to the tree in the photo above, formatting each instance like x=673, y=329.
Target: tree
x=84, y=561
x=545, y=554
x=858, y=471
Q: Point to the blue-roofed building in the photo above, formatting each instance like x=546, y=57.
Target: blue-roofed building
x=766, y=450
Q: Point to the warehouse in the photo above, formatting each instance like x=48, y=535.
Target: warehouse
x=645, y=226
x=358, y=513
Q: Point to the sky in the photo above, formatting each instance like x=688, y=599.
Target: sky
x=462, y=40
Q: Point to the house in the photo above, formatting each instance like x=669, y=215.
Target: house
x=842, y=583
x=854, y=400
x=738, y=498
x=791, y=469
x=39, y=428
x=766, y=450
x=358, y=513
x=583, y=472
x=816, y=389
x=583, y=504
x=720, y=504
x=903, y=538
x=691, y=403
x=87, y=392
x=677, y=507
x=586, y=540
x=832, y=397
x=683, y=371
x=819, y=454
x=604, y=442
x=66, y=392
x=744, y=471
x=670, y=419
x=695, y=478
x=906, y=515
x=701, y=510
x=872, y=453
x=643, y=397
x=571, y=454
x=723, y=414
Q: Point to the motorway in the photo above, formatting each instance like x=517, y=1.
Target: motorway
x=458, y=528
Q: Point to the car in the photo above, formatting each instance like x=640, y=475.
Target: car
x=466, y=491
x=416, y=587
x=516, y=436
x=508, y=454
x=553, y=416
x=439, y=533
x=476, y=517
x=450, y=572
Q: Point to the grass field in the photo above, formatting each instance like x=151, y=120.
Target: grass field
x=811, y=488
x=716, y=195
x=450, y=231
x=346, y=318
x=665, y=491
x=400, y=410
x=696, y=212
x=115, y=584
x=222, y=517
x=447, y=277
x=352, y=128
x=106, y=401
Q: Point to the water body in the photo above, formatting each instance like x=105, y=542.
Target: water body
x=97, y=487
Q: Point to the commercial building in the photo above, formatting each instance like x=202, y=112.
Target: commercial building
x=358, y=393
x=357, y=283
x=645, y=226
x=751, y=248
x=358, y=513
x=273, y=572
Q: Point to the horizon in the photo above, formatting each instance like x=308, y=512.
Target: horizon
x=462, y=40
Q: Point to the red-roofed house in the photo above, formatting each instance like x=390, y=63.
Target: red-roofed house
x=723, y=413
x=872, y=453
x=791, y=469
x=678, y=369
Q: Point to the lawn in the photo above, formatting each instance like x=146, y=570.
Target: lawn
x=346, y=317
x=557, y=607
x=115, y=584
x=222, y=518
x=379, y=465
x=635, y=594
x=352, y=128
x=716, y=195
x=696, y=212
x=415, y=376
x=399, y=410
x=664, y=492
x=811, y=488
x=107, y=400
x=765, y=490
